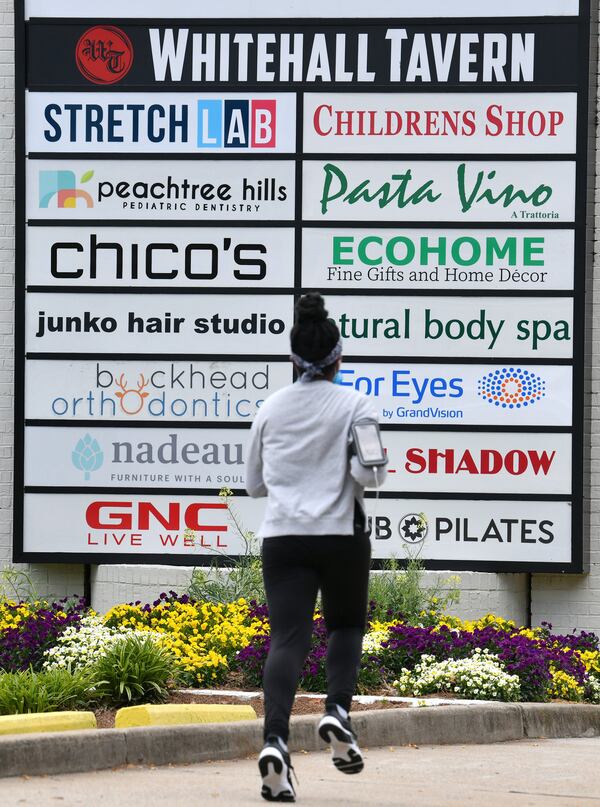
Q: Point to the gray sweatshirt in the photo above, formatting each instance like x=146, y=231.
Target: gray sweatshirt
x=298, y=457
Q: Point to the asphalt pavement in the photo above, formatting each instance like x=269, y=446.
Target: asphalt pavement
x=526, y=773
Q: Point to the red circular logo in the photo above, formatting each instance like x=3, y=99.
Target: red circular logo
x=104, y=54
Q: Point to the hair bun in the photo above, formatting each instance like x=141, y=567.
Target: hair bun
x=311, y=308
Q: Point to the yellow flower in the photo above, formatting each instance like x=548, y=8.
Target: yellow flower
x=564, y=686
x=202, y=636
x=591, y=659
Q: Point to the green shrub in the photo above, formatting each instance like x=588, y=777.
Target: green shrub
x=133, y=670
x=17, y=584
x=397, y=591
x=47, y=691
x=242, y=577
x=370, y=676
x=227, y=579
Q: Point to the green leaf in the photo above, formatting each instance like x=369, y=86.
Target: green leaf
x=87, y=176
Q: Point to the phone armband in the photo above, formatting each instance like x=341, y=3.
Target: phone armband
x=367, y=442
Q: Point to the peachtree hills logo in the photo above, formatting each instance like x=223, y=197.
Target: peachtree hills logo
x=63, y=186
x=87, y=456
x=511, y=388
x=413, y=528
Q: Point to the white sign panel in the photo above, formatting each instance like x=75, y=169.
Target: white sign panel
x=147, y=390
x=401, y=258
x=445, y=123
x=97, y=523
x=434, y=529
x=478, y=462
x=130, y=457
x=176, y=257
x=465, y=394
x=185, y=123
x=195, y=323
x=454, y=326
x=472, y=531
x=141, y=189
x=301, y=8
x=411, y=190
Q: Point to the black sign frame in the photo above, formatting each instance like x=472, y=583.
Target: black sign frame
x=583, y=70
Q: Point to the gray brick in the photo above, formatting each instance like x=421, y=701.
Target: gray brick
x=566, y=601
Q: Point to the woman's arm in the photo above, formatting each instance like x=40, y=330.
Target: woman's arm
x=255, y=485
x=365, y=476
x=361, y=474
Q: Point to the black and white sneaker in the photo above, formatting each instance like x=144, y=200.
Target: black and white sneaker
x=276, y=771
x=335, y=729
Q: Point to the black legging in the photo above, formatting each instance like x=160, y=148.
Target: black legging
x=295, y=567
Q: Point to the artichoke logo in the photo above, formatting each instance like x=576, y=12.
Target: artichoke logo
x=87, y=456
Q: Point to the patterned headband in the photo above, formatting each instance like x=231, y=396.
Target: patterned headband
x=312, y=369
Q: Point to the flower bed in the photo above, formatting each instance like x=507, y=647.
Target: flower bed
x=203, y=637
x=216, y=644
x=544, y=665
x=27, y=630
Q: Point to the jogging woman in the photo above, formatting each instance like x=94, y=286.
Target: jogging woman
x=314, y=538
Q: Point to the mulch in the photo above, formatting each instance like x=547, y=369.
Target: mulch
x=302, y=705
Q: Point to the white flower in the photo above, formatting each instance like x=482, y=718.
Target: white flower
x=79, y=646
x=594, y=689
x=482, y=676
x=372, y=641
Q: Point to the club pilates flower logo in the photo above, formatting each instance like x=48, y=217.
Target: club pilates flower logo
x=87, y=456
x=511, y=388
x=413, y=528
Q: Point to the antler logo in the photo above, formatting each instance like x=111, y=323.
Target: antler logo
x=132, y=400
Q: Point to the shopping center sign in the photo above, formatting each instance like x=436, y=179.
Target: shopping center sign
x=181, y=180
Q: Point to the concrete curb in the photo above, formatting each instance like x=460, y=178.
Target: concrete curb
x=97, y=749
x=47, y=721
x=177, y=714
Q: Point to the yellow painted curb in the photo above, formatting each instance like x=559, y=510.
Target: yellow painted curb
x=178, y=713
x=47, y=721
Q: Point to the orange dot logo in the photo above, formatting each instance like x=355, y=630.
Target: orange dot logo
x=511, y=388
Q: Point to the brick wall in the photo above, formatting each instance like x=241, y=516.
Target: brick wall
x=48, y=579
x=566, y=601
x=480, y=593
x=7, y=264
x=573, y=601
